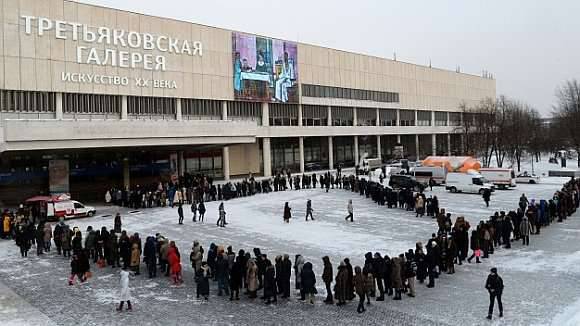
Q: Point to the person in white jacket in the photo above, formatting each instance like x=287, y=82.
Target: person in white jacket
x=125, y=291
x=349, y=208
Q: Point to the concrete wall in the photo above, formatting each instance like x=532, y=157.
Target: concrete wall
x=244, y=158
x=32, y=62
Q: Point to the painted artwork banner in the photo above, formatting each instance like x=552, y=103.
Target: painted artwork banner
x=265, y=70
x=58, y=176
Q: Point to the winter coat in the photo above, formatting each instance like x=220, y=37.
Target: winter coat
x=135, y=256
x=349, y=208
x=298, y=266
x=236, y=275
x=369, y=283
x=287, y=214
x=525, y=227
x=202, y=277
x=150, y=253
x=252, y=275
x=66, y=239
x=308, y=279
x=47, y=232
x=360, y=284
x=474, y=241
x=341, y=287
x=6, y=225
x=125, y=294
x=174, y=262
x=90, y=240
x=270, y=282
x=494, y=284
x=396, y=279
x=327, y=272
x=196, y=257
x=75, y=267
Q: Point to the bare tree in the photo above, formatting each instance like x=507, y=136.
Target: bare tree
x=567, y=113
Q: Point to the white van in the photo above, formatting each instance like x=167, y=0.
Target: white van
x=500, y=177
x=471, y=182
x=424, y=173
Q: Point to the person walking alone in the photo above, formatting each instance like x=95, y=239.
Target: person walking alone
x=486, y=197
x=494, y=286
x=309, y=210
x=221, y=222
x=125, y=292
x=287, y=213
x=180, y=213
x=350, y=211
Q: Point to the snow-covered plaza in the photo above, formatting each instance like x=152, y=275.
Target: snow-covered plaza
x=541, y=281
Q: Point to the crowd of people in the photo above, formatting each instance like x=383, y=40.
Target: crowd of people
x=254, y=271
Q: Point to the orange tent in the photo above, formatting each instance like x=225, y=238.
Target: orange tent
x=453, y=163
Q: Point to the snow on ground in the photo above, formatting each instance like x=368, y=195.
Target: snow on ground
x=541, y=280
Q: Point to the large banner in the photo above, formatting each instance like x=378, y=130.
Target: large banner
x=58, y=172
x=265, y=69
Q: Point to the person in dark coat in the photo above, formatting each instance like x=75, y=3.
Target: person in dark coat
x=118, y=224
x=222, y=274
x=286, y=269
x=486, y=196
x=270, y=284
x=341, y=287
x=308, y=281
x=287, y=213
x=180, y=213
x=39, y=235
x=359, y=287
x=202, y=278
x=327, y=279
x=350, y=283
x=236, y=276
x=150, y=255
x=201, y=210
x=421, y=261
x=125, y=248
x=475, y=247
x=494, y=285
x=57, y=236
x=114, y=250
x=379, y=269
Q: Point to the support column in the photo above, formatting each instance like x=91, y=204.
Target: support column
x=356, y=158
x=124, y=111
x=354, y=117
x=398, y=139
x=434, y=144
x=379, y=147
x=59, y=111
x=300, y=115
x=330, y=153
x=432, y=118
x=417, y=146
x=463, y=145
x=266, y=154
x=301, y=150
x=126, y=174
x=416, y=118
x=378, y=117
x=224, y=110
x=226, y=162
x=399, y=121
x=265, y=116
x=448, y=144
x=178, y=114
x=181, y=162
x=329, y=122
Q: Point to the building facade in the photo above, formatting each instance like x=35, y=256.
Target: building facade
x=94, y=97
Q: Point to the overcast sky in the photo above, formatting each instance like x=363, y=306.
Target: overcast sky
x=531, y=46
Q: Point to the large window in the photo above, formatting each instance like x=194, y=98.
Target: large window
x=245, y=111
x=283, y=114
x=349, y=93
x=91, y=103
x=423, y=118
x=24, y=101
x=285, y=154
x=343, y=151
x=314, y=115
x=342, y=116
x=407, y=117
x=440, y=118
x=204, y=162
x=150, y=106
x=388, y=117
x=366, y=117
x=194, y=109
x=455, y=118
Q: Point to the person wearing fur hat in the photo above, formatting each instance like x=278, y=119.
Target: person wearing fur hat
x=494, y=285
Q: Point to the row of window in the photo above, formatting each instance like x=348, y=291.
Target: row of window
x=349, y=93
x=22, y=101
x=280, y=114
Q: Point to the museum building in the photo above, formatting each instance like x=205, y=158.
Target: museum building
x=94, y=97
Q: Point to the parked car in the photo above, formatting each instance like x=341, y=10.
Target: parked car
x=527, y=178
x=471, y=182
x=401, y=181
x=58, y=206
